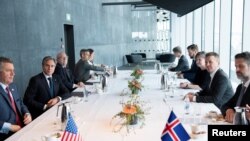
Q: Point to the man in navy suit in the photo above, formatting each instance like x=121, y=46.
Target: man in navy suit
x=219, y=89
x=182, y=63
x=14, y=114
x=64, y=73
x=241, y=99
x=45, y=89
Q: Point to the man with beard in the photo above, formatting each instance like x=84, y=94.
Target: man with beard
x=190, y=74
x=242, y=94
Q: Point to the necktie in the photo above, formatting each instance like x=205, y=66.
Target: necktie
x=51, y=87
x=241, y=95
x=210, y=81
x=18, y=121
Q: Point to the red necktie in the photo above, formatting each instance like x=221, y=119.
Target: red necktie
x=18, y=121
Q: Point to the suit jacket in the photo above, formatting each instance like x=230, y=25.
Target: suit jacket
x=220, y=90
x=82, y=70
x=67, y=77
x=202, y=78
x=38, y=93
x=182, y=64
x=7, y=112
x=233, y=101
x=190, y=74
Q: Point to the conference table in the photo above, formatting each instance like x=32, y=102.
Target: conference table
x=93, y=115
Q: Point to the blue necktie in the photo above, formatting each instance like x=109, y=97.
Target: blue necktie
x=51, y=87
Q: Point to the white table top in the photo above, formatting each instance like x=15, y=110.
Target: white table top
x=93, y=118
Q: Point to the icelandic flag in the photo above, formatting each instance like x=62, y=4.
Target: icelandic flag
x=174, y=131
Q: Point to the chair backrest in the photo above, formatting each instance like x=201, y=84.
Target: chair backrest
x=137, y=59
x=167, y=58
x=157, y=56
x=129, y=58
x=142, y=54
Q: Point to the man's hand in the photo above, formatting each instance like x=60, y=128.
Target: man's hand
x=179, y=75
x=15, y=128
x=229, y=115
x=27, y=118
x=52, y=102
x=183, y=84
x=80, y=84
x=248, y=112
x=190, y=96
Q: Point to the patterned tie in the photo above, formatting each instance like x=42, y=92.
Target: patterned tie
x=241, y=95
x=51, y=86
x=18, y=121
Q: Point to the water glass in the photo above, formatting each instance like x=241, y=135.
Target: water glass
x=85, y=94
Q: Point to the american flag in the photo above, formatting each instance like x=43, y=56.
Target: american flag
x=71, y=133
x=174, y=131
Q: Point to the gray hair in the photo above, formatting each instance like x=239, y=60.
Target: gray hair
x=4, y=60
x=47, y=58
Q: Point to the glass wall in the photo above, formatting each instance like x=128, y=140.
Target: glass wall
x=217, y=26
x=197, y=27
x=246, y=27
x=208, y=26
x=236, y=33
x=221, y=26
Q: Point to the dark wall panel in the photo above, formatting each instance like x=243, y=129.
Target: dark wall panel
x=32, y=29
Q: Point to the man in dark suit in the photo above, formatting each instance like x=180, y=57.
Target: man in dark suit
x=182, y=63
x=45, y=89
x=219, y=90
x=65, y=73
x=190, y=74
x=14, y=114
x=83, y=67
x=242, y=94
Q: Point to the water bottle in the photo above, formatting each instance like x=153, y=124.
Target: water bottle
x=240, y=116
x=187, y=105
x=163, y=84
x=85, y=94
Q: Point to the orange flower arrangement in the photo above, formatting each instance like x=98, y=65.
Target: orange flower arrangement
x=137, y=73
x=132, y=111
x=135, y=86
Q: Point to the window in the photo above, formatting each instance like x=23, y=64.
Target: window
x=236, y=34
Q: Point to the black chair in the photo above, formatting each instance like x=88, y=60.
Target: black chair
x=144, y=56
x=134, y=59
x=167, y=58
x=137, y=59
x=129, y=59
x=157, y=56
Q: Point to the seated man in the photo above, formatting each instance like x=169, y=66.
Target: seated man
x=83, y=67
x=65, y=73
x=190, y=74
x=45, y=89
x=14, y=114
x=242, y=94
x=219, y=90
x=182, y=63
x=202, y=76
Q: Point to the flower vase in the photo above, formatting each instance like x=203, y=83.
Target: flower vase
x=136, y=91
x=134, y=120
